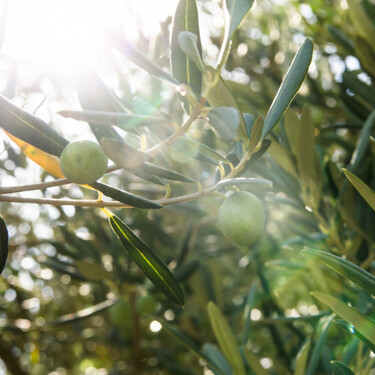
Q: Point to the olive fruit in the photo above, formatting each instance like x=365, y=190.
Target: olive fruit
x=83, y=162
x=241, y=218
x=121, y=314
x=146, y=304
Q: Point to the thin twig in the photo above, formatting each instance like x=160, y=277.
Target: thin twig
x=183, y=129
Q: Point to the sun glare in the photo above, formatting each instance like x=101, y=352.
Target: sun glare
x=47, y=33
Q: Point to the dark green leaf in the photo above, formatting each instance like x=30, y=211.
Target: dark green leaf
x=225, y=120
x=290, y=86
x=125, y=197
x=350, y=329
x=339, y=368
x=148, y=262
x=183, y=69
x=345, y=268
x=361, y=323
x=318, y=348
x=3, y=243
x=30, y=128
x=165, y=173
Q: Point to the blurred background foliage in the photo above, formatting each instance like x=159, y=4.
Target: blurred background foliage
x=71, y=300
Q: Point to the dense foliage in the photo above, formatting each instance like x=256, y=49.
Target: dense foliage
x=132, y=274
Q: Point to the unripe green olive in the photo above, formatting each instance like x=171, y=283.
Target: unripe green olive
x=121, y=314
x=83, y=162
x=146, y=304
x=241, y=218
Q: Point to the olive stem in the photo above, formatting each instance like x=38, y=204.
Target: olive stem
x=101, y=204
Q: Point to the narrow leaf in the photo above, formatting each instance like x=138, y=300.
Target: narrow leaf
x=301, y=359
x=254, y=362
x=48, y=162
x=225, y=120
x=283, y=157
x=138, y=58
x=361, y=323
x=123, y=154
x=350, y=329
x=165, y=173
x=3, y=244
x=225, y=339
x=125, y=197
x=183, y=68
x=290, y=86
x=318, y=348
x=212, y=352
x=30, y=128
x=362, y=145
x=197, y=149
x=189, y=44
x=339, y=368
x=125, y=121
x=156, y=271
x=188, y=343
x=219, y=95
x=367, y=193
x=345, y=268
x=236, y=11
x=256, y=134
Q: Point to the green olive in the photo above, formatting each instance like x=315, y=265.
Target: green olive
x=241, y=218
x=146, y=304
x=121, y=314
x=83, y=162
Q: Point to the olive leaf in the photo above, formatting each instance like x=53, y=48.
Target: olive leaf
x=367, y=193
x=360, y=322
x=125, y=197
x=345, y=268
x=30, y=128
x=189, y=44
x=184, y=69
x=340, y=368
x=301, y=359
x=225, y=121
x=236, y=11
x=289, y=86
x=225, y=338
x=3, y=243
x=151, y=265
